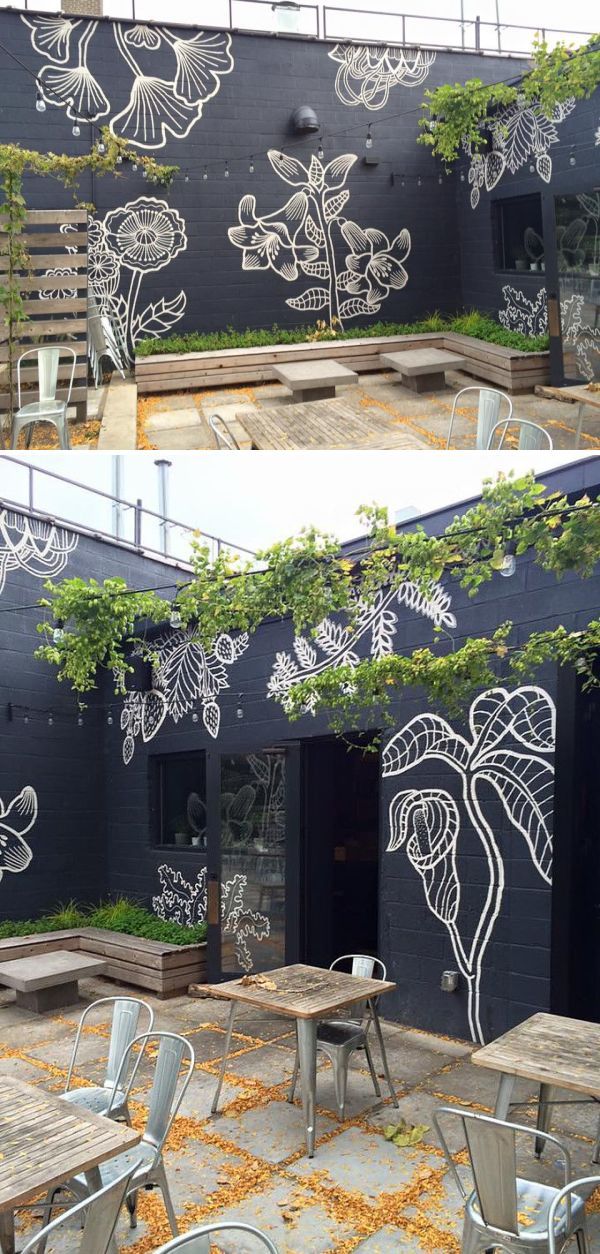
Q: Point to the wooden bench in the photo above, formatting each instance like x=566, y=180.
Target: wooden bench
x=49, y=981
x=314, y=380
x=423, y=369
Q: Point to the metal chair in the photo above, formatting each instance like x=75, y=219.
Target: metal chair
x=99, y=1215
x=531, y=434
x=198, y=1240
x=165, y=1099
x=48, y=408
x=504, y=1210
x=339, y=1038
x=488, y=413
x=125, y=1022
x=223, y=435
x=560, y=1198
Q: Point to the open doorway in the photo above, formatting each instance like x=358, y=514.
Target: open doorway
x=341, y=864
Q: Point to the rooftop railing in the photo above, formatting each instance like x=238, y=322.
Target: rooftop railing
x=306, y=19
x=60, y=499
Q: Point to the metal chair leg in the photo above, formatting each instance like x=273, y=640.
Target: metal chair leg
x=339, y=1062
x=544, y=1115
x=372, y=1069
x=131, y=1204
x=472, y=1241
x=163, y=1184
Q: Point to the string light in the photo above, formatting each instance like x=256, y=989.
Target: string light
x=109, y=720
x=369, y=139
x=240, y=711
x=251, y=166
x=144, y=173
x=80, y=720
x=26, y=718
x=175, y=619
x=40, y=103
x=134, y=166
x=462, y=176
x=58, y=634
x=119, y=159
x=226, y=169
x=101, y=147
x=419, y=181
x=50, y=720
x=320, y=153
x=572, y=157
x=440, y=179
x=186, y=177
x=195, y=716
x=205, y=174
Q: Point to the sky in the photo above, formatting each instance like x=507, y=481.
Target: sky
x=254, y=499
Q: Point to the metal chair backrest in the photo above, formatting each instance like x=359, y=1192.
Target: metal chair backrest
x=531, y=434
x=198, y=1240
x=124, y=1028
x=367, y=968
x=223, y=436
x=48, y=359
x=100, y=1213
x=560, y=1198
x=492, y=1150
x=168, y=1086
x=488, y=413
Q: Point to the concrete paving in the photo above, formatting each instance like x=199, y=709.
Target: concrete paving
x=359, y=1193
x=426, y=416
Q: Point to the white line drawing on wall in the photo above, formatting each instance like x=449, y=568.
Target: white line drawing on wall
x=185, y=903
x=338, y=643
x=368, y=72
x=58, y=293
x=183, y=675
x=30, y=544
x=301, y=237
x=530, y=317
x=16, y=820
x=427, y=821
x=158, y=108
x=522, y=132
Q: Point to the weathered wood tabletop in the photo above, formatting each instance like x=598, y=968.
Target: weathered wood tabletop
x=301, y=992
x=326, y=424
x=560, y=1052
x=44, y=1141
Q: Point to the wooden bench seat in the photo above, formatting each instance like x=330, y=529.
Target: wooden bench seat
x=48, y=981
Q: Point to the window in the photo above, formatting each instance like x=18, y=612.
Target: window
x=180, y=783
x=518, y=234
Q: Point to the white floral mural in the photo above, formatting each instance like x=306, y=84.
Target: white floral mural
x=508, y=752
x=159, y=108
x=16, y=820
x=185, y=675
x=307, y=235
x=368, y=72
x=520, y=133
x=334, y=644
x=185, y=903
x=30, y=544
x=530, y=317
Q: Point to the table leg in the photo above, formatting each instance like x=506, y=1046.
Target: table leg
x=307, y=1055
x=505, y=1092
x=544, y=1113
x=7, y=1232
x=386, y=1071
x=215, y=1103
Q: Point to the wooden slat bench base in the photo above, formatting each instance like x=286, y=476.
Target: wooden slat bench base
x=160, y=968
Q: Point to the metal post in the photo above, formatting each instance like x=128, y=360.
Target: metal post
x=30, y=474
x=498, y=26
x=462, y=23
x=137, y=525
x=478, y=33
x=117, y=487
x=403, y=30
x=163, y=505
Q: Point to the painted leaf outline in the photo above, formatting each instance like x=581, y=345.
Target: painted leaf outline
x=428, y=823
x=528, y=714
x=525, y=785
x=355, y=306
x=312, y=298
x=182, y=671
x=158, y=316
x=426, y=736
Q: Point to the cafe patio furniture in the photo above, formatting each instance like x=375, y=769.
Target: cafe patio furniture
x=48, y=408
x=339, y=1038
x=489, y=405
x=124, y=1027
x=98, y=1216
x=198, y=1240
x=585, y=1182
x=44, y=1142
x=172, y=1055
x=314, y=380
x=306, y=994
x=531, y=434
x=578, y=395
x=49, y=981
x=423, y=369
x=503, y=1209
x=339, y=423
x=552, y=1050
x=223, y=434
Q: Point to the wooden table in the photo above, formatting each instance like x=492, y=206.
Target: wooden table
x=44, y=1141
x=325, y=424
x=423, y=369
x=48, y=981
x=305, y=994
x=554, y=1051
x=314, y=380
x=578, y=395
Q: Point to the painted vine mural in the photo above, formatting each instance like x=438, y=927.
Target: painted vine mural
x=520, y=133
x=512, y=738
x=30, y=544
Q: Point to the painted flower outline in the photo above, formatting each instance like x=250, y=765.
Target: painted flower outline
x=145, y=234
x=269, y=243
x=367, y=72
x=16, y=820
x=375, y=264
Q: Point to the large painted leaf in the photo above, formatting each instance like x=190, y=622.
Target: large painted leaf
x=527, y=714
x=427, y=736
x=182, y=671
x=525, y=785
x=428, y=822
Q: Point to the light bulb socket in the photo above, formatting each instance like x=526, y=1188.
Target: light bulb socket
x=175, y=619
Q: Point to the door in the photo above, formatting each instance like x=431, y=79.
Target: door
x=577, y=224
x=252, y=859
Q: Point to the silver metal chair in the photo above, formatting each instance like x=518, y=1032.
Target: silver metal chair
x=559, y=1201
x=339, y=1038
x=198, y=1240
x=99, y=1215
x=504, y=1210
x=488, y=413
x=531, y=434
x=125, y=1026
x=48, y=408
x=168, y=1089
x=224, y=437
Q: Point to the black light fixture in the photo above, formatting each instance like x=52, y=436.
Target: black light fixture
x=305, y=121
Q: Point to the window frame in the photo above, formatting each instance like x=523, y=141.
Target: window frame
x=156, y=769
x=498, y=208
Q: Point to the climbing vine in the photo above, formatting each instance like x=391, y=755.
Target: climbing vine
x=457, y=116
x=90, y=626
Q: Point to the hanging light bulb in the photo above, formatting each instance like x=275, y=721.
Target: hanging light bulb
x=144, y=173
x=462, y=176
x=80, y=720
x=50, y=720
x=195, y=716
x=76, y=129
x=251, y=166
x=572, y=158
x=101, y=147
x=26, y=718
x=175, y=619
x=226, y=173
x=109, y=719
x=402, y=182
x=369, y=139
x=320, y=153
x=134, y=166
x=120, y=159
x=205, y=174
x=419, y=181
x=440, y=180
x=40, y=103
x=58, y=634
x=240, y=711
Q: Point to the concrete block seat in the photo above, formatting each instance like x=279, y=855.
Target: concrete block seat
x=49, y=981
x=314, y=380
x=423, y=369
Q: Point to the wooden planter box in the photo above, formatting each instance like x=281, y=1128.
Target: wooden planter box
x=160, y=968
x=508, y=368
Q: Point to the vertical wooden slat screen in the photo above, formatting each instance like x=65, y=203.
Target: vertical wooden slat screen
x=54, y=291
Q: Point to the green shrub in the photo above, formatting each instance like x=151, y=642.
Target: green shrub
x=121, y=915
x=472, y=323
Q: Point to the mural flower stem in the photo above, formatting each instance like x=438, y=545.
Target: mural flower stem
x=429, y=823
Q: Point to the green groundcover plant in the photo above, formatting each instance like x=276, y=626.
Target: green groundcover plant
x=121, y=915
x=471, y=323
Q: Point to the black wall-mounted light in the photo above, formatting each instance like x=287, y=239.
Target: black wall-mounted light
x=305, y=121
